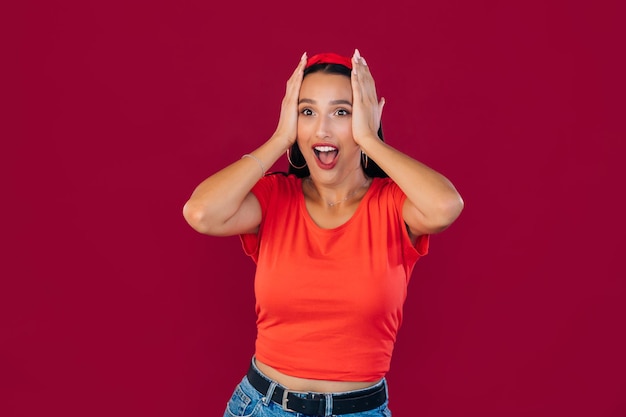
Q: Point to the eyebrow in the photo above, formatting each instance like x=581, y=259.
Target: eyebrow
x=332, y=102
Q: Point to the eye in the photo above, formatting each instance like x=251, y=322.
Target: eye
x=306, y=112
x=342, y=112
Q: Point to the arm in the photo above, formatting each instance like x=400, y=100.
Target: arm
x=222, y=204
x=432, y=202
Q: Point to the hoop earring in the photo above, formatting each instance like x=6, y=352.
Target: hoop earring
x=291, y=163
x=364, y=159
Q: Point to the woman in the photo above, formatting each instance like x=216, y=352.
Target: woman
x=335, y=242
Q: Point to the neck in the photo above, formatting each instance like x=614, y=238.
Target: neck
x=332, y=196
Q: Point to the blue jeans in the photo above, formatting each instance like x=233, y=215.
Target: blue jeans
x=248, y=402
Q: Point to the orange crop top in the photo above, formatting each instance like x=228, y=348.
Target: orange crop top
x=329, y=301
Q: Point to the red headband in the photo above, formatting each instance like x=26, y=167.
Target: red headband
x=329, y=58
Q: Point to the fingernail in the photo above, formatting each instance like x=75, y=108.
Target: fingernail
x=303, y=56
x=357, y=53
x=363, y=60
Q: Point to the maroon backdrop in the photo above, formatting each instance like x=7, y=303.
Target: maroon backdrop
x=114, y=111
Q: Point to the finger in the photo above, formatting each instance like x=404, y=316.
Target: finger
x=364, y=70
x=295, y=81
x=359, y=57
x=358, y=68
x=299, y=71
x=296, y=76
x=365, y=88
x=360, y=61
x=354, y=80
x=300, y=66
x=364, y=75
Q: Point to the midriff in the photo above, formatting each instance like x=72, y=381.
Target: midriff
x=311, y=385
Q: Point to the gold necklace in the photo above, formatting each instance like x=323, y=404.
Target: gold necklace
x=350, y=194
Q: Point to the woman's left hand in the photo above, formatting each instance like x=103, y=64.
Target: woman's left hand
x=366, y=109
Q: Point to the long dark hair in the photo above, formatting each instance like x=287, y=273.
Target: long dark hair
x=371, y=170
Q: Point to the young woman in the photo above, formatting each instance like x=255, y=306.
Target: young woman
x=335, y=241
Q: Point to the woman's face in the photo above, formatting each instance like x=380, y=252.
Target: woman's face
x=325, y=125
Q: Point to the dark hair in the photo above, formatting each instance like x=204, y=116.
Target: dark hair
x=372, y=169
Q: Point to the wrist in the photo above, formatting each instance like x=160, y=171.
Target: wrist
x=282, y=140
x=366, y=141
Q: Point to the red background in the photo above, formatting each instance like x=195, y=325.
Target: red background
x=114, y=111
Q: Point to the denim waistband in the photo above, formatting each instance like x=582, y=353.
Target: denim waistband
x=378, y=384
x=317, y=403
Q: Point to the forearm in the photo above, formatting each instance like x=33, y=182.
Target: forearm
x=219, y=197
x=433, y=202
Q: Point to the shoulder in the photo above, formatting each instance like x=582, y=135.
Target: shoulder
x=382, y=183
x=386, y=188
x=279, y=178
x=276, y=185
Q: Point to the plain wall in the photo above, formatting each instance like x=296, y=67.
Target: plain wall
x=110, y=304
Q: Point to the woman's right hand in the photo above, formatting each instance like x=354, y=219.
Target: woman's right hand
x=288, y=121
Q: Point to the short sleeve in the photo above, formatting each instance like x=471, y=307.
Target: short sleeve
x=262, y=190
x=412, y=250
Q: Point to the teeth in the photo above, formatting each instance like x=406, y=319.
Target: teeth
x=325, y=148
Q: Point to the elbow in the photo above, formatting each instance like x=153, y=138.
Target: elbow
x=449, y=211
x=454, y=207
x=196, y=218
x=446, y=212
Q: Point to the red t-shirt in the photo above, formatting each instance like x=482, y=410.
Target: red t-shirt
x=329, y=301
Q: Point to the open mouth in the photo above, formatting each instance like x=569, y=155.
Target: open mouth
x=326, y=154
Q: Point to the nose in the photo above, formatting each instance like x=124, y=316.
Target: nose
x=322, y=130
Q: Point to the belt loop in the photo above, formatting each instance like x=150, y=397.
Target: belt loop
x=329, y=405
x=269, y=394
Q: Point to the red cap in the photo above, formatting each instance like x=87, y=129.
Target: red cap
x=329, y=58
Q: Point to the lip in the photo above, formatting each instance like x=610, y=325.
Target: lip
x=319, y=162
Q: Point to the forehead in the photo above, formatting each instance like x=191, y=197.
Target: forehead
x=324, y=85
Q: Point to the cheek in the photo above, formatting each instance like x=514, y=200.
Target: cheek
x=304, y=126
x=344, y=126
